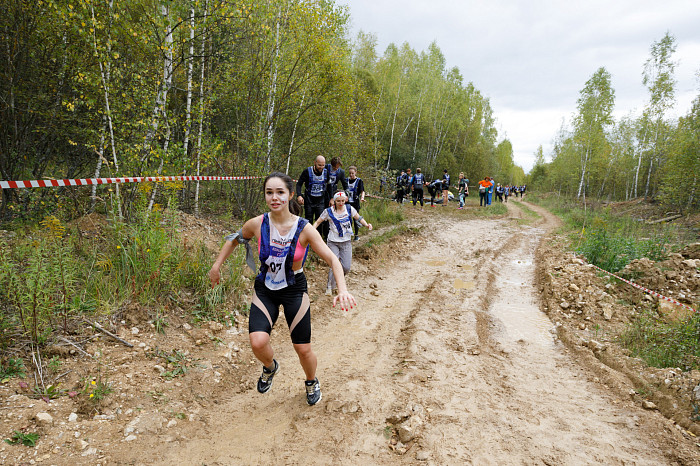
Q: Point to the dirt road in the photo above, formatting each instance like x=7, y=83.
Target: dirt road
x=447, y=360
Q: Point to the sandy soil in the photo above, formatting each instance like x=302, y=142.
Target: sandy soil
x=447, y=360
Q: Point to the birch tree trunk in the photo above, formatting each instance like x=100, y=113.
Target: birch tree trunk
x=294, y=131
x=188, y=108
x=201, y=115
x=415, y=141
x=162, y=96
x=393, y=124
x=273, y=92
x=105, y=71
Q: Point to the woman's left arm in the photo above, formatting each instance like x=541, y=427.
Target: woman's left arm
x=312, y=237
x=361, y=219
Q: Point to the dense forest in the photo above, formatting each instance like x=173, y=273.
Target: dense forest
x=224, y=88
x=649, y=155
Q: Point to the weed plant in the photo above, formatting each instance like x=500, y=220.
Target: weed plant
x=27, y=439
x=53, y=277
x=661, y=344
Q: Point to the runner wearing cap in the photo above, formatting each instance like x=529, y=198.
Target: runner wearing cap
x=340, y=216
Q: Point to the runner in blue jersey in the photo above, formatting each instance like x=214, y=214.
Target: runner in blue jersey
x=336, y=176
x=315, y=197
x=445, y=187
x=283, y=240
x=356, y=195
x=416, y=183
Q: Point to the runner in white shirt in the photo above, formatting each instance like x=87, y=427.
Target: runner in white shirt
x=340, y=218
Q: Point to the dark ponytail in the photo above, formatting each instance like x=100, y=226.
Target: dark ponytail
x=294, y=206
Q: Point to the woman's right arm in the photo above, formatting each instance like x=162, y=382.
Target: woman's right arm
x=247, y=231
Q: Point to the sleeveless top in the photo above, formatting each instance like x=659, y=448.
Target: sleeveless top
x=352, y=189
x=277, y=253
x=418, y=180
x=317, y=183
x=446, y=183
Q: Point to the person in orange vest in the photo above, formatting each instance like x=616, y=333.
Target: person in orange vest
x=484, y=186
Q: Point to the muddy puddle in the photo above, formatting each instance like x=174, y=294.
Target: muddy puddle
x=460, y=284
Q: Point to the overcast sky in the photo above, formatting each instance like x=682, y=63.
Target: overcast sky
x=531, y=58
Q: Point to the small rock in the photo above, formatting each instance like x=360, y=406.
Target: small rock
x=582, y=326
x=215, y=326
x=648, y=405
x=158, y=368
x=422, y=455
x=406, y=433
x=573, y=287
x=374, y=293
x=73, y=417
x=134, y=331
x=564, y=305
x=171, y=423
x=608, y=312
x=82, y=444
x=696, y=393
x=186, y=326
x=130, y=438
x=44, y=419
x=90, y=451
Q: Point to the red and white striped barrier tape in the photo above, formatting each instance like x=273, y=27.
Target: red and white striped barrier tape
x=132, y=179
x=647, y=290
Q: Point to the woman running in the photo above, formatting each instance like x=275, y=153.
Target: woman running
x=340, y=233
x=356, y=195
x=283, y=240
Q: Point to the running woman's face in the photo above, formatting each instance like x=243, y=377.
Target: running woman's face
x=339, y=203
x=352, y=173
x=276, y=194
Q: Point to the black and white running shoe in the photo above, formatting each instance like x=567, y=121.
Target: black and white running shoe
x=265, y=380
x=313, y=391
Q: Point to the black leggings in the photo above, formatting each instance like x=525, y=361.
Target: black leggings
x=313, y=208
x=265, y=309
x=356, y=223
x=418, y=195
x=482, y=198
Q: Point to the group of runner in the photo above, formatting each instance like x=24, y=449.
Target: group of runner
x=284, y=236
x=409, y=184
x=487, y=187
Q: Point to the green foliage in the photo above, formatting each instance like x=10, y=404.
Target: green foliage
x=611, y=241
x=49, y=392
x=661, y=344
x=177, y=363
x=14, y=367
x=381, y=212
x=28, y=439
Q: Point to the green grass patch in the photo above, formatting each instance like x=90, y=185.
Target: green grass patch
x=609, y=240
x=529, y=213
x=661, y=344
x=381, y=212
x=385, y=237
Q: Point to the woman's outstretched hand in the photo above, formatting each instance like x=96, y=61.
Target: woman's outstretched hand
x=346, y=300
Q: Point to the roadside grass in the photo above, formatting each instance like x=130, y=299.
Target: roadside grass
x=609, y=240
x=529, y=213
x=384, y=237
x=662, y=344
x=381, y=212
x=53, y=277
